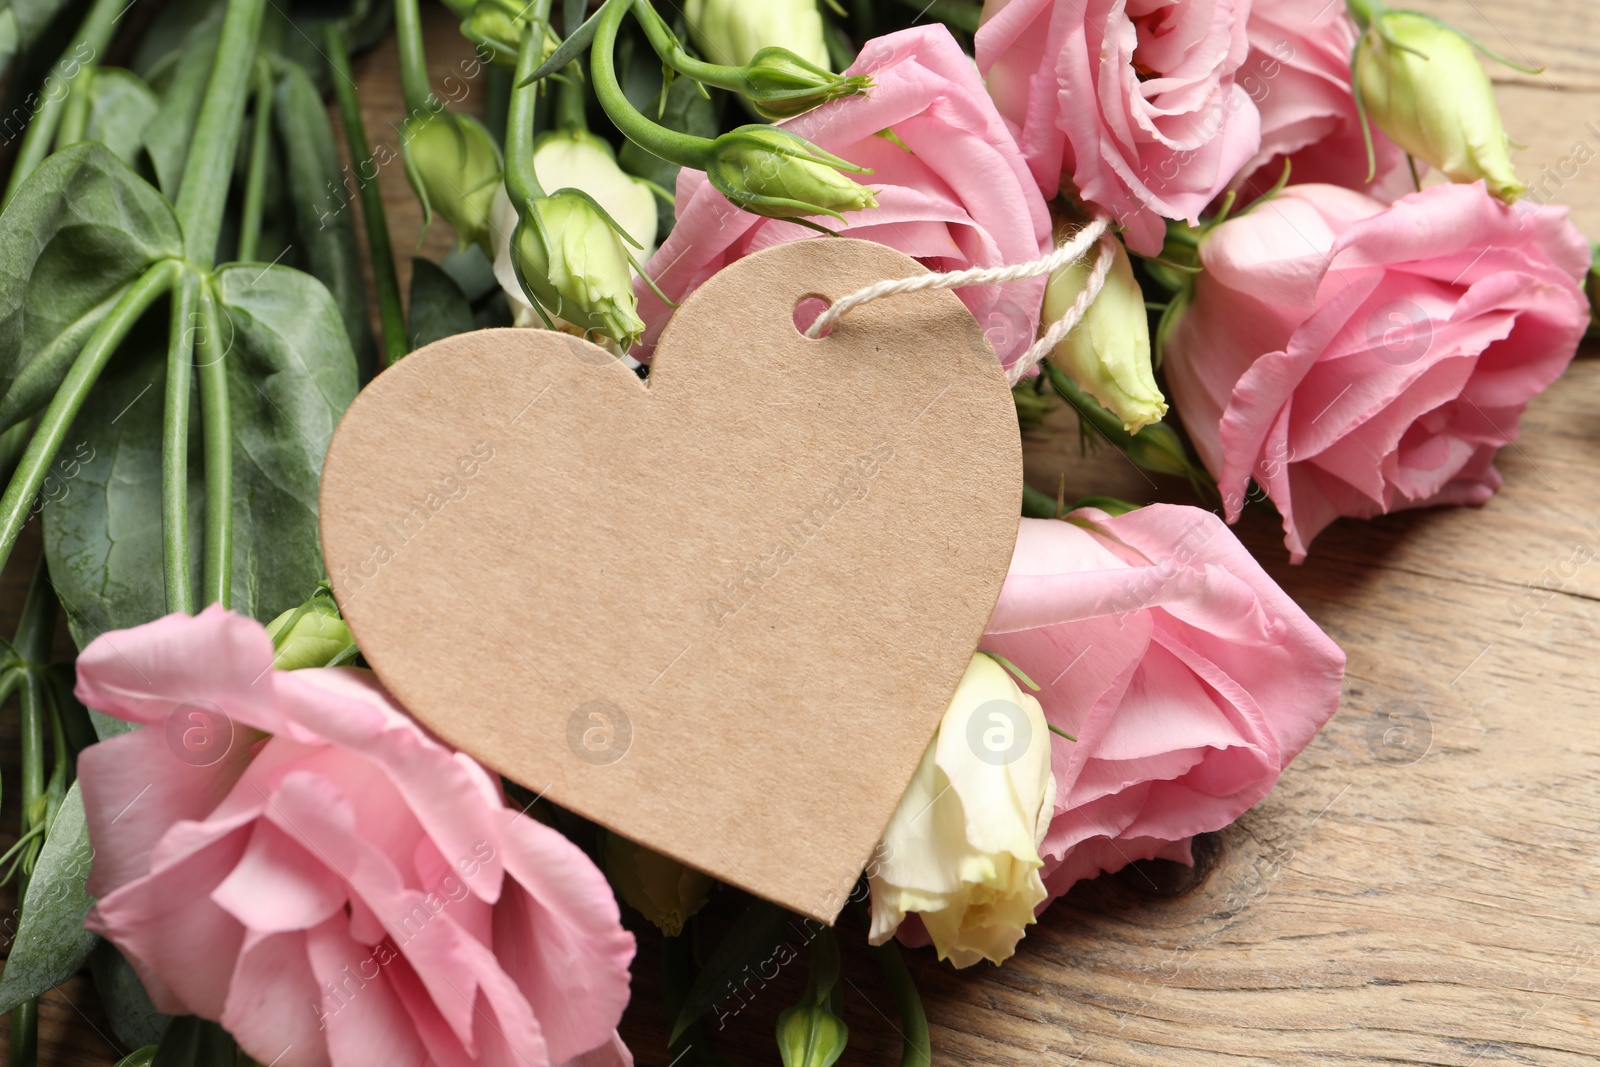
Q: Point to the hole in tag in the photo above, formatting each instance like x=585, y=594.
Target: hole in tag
x=806, y=311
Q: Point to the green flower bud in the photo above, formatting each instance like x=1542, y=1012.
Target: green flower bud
x=732, y=32
x=499, y=25
x=454, y=165
x=311, y=635
x=768, y=171
x=1421, y=83
x=811, y=1034
x=1108, y=352
x=782, y=85
x=661, y=889
x=572, y=264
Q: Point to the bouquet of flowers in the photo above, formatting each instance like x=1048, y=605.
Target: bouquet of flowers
x=1273, y=250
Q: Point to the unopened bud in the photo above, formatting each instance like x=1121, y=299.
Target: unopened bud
x=454, y=166
x=782, y=85
x=661, y=889
x=572, y=264
x=311, y=635
x=1108, y=353
x=1422, y=84
x=768, y=171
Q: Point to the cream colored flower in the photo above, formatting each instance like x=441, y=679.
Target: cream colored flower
x=962, y=849
x=575, y=160
x=731, y=32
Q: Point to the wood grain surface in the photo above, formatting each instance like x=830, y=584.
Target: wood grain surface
x=1423, y=887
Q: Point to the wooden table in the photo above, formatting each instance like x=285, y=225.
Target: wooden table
x=1423, y=887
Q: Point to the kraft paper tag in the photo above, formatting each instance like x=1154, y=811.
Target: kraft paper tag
x=721, y=612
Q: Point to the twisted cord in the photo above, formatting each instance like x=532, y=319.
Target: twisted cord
x=1061, y=327
x=1074, y=249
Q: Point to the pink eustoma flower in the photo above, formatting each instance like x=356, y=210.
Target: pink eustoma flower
x=288, y=853
x=952, y=189
x=1356, y=357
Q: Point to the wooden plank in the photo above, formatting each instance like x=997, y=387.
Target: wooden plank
x=1557, y=35
x=1421, y=887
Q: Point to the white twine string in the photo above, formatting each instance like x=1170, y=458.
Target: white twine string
x=1071, y=251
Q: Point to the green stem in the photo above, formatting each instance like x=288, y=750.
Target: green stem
x=413, y=60
x=69, y=398
x=672, y=53
x=94, y=34
x=75, y=113
x=203, y=194
x=216, y=431
x=25, y=1034
x=391, y=319
x=175, y=445
x=916, y=1051
x=34, y=633
x=679, y=148
x=522, y=184
x=571, y=100
x=12, y=444
x=255, y=185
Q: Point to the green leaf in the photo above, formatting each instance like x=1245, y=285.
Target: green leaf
x=138, y=1057
x=438, y=306
x=51, y=942
x=325, y=219
x=120, y=107
x=170, y=131
x=134, y=1020
x=751, y=942
x=102, y=532
x=81, y=229
x=162, y=42
x=194, y=1042
x=291, y=375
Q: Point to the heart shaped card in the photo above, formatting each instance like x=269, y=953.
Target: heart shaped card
x=720, y=612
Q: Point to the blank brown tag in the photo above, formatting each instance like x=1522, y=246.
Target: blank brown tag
x=721, y=613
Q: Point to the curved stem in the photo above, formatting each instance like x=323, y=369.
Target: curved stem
x=413, y=60
x=216, y=431
x=175, y=446
x=391, y=320
x=206, y=174
x=255, y=185
x=679, y=148
x=94, y=34
x=69, y=398
x=673, y=54
x=522, y=184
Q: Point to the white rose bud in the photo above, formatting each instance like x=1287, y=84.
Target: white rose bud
x=962, y=849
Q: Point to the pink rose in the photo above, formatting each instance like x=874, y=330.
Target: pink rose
x=1356, y=358
x=1136, y=101
x=286, y=852
x=1298, y=74
x=953, y=191
x=1188, y=677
